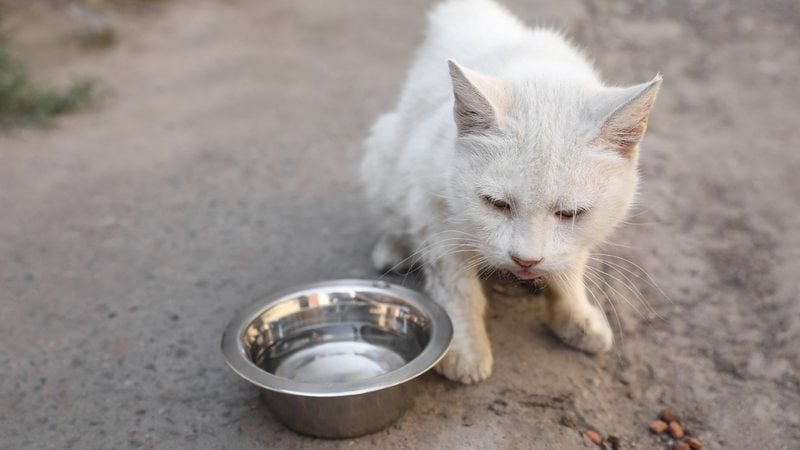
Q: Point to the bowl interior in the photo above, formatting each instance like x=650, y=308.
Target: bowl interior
x=336, y=336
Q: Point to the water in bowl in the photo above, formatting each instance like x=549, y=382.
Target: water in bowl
x=339, y=362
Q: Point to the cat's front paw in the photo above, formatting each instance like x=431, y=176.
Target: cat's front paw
x=467, y=363
x=589, y=332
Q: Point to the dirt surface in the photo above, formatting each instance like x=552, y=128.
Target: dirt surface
x=220, y=167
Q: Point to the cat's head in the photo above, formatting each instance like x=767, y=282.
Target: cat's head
x=545, y=167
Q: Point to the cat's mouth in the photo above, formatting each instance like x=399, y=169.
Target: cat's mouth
x=526, y=275
x=535, y=279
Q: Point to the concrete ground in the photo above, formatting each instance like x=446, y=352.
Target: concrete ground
x=220, y=168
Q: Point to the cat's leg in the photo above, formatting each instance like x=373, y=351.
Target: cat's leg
x=572, y=318
x=392, y=254
x=457, y=288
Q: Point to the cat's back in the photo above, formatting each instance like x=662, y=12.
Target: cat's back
x=486, y=37
x=461, y=27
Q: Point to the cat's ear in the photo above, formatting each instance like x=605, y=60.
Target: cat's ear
x=480, y=100
x=624, y=113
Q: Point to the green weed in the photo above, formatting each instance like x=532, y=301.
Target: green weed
x=23, y=102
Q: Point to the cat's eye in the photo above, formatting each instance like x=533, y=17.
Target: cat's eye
x=569, y=214
x=496, y=203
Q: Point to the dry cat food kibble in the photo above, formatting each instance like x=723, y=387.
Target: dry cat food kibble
x=694, y=443
x=668, y=416
x=658, y=426
x=672, y=422
x=594, y=437
x=675, y=430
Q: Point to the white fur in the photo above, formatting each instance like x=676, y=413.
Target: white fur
x=534, y=126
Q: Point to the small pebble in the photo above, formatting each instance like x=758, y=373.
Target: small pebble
x=658, y=426
x=568, y=422
x=499, y=407
x=680, y=446
x=594, y=437
x=694, y=443
x=675, y=430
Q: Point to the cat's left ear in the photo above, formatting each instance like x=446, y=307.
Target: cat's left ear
x=624, y=113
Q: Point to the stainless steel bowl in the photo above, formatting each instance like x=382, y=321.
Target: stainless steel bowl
x=336, y=358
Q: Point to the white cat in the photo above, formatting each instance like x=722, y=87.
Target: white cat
x=507, y=152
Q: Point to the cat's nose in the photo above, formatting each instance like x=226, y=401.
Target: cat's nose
x=525, y=263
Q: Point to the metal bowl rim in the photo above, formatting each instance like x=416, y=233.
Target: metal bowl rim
x=441, y=335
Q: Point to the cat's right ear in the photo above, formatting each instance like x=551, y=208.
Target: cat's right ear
x=479, y=100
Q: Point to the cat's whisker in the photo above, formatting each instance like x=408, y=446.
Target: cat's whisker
x=574, y=208
x=424, y=246
x=639, y=224
x=649, y=279
x=435, y=237
x=448, y=251
x=453, y=252
x=448, y=198
x=630, y=286
x=610, y=302
x=598, y=275
x=613, y=308
x=473, y=264
x=616, y=244
x=638, y=210
x=430, y=245
x=414, y=257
